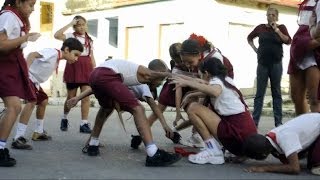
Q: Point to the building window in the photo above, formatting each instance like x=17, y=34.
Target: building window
x=113, y=31
x=46, y=16
x=93, y=27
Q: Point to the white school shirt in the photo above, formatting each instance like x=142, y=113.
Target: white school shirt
x=228, y=102
x=127, y=69
x=42, y=68
x=297, y=134
x=216, y=54
x=304, y=16
x=11, y=25
x=81, y=38
x=141, y=91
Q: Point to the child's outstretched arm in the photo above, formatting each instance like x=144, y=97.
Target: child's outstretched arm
x=153, y=105
x=60, y=33
x=293, y=167
x=10, y=44
x=211, y=90
x=31, y=57
x=73, y=101
x=178, y=100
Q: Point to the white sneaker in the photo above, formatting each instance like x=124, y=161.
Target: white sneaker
x=194, y=140
x=316, y=170
x=206, y=156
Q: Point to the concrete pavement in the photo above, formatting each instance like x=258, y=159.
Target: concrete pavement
x=62, y=158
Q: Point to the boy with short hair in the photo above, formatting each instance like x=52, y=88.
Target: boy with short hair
x=287, y=142
x=109, y=82
x=41, y=66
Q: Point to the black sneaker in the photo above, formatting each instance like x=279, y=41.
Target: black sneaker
x=136, y=141
x=21, y=143
x=64, y=125
x=93, y=150
x=176, y=137
x=5, y=159
x=85, y=128
x=162, y=158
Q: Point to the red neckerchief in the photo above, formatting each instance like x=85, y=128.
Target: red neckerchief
x=86, y=39
x=24, y=22
x=272, y=136
x=58, y=60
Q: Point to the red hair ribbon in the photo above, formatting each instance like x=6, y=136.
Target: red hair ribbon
x=201, y=40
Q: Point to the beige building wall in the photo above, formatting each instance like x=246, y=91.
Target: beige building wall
x=145, y=31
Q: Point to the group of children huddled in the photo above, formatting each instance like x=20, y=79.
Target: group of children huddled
x=200, y=82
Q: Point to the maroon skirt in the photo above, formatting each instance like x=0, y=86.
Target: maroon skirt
x=232, y=131
x=167, y=95
x=14, y=80
x=78, y=72
x=299, y=48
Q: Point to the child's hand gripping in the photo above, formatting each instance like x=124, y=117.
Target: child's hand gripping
x=72, y=102
x=178, y=118
x=32, y=37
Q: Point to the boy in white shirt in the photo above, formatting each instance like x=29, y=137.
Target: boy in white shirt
x=109, y=82
x=287, y=142
x=41, y=66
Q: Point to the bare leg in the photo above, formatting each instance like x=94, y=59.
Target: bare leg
x=85, y=104
x=26, y=112
x=298, y=92
x=13, y=108
x=101, y=118
x=152, y=118
x=204, y=120
x=142, y=125
x=41, y=109
x=312, y=83
x=70, y=94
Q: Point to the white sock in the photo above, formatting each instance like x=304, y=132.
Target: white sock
x=21, y=130
x=2, y=144
x=151, y=149
x=174, y=129
x=211, y=144
x=94, y=141
x=84, y=121
x=64, y=116
x=39, y=126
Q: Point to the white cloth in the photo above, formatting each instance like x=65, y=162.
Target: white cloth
x=42, y=68
x=141, y=91
x=216, y=54
x=11, y=25
x=228, y=102
x=127, y=69
x=318, y=12
x=297, y=134
x=304, y=16
x=308, y=61
x=81, y=38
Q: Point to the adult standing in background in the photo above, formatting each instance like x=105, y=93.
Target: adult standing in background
x=269, y=52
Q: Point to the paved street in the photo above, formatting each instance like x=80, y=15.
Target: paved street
x=62, y=158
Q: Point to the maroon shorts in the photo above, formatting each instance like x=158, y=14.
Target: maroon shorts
x=108, y=86
x=14, y=79
x=167, y=95
x=78, y=72
x=40, y=94
x=313, y=153
x=232, y=130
